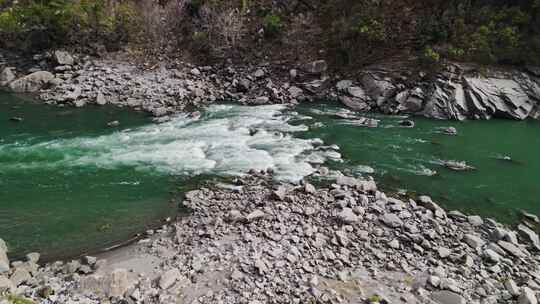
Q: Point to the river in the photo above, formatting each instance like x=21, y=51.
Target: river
x=71, y=184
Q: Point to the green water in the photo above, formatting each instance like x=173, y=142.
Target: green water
x=406, y=158
x=70, y=184
x=60, y=210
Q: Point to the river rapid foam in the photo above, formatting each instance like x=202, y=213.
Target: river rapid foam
x=225, y=140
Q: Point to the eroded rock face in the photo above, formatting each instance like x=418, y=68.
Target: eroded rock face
x=31, y=83
x=456, y=94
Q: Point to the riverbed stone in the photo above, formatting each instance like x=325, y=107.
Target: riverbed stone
x=473, y=240
x=511, y=248
x=119, y=282
x=315, y=67
x=475, y=220
x=20, y=276
x=100, y=99
x=447, y=297
x=512, y=287
x=168, y=278
x=527, y=296
x=4, y=261
x=255, y=215
x=33, y=257
x=529, y=235
x=6, y=76
x=63, y=58
x=6, y=285
x=391, y=220
x=31, y=83
x=443, y=252
x=348, y=216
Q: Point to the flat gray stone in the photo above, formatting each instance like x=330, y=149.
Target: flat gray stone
x=447, y=297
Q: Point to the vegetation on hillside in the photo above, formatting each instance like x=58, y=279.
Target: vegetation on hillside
x=346, y=32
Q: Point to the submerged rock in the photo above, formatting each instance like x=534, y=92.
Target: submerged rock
x=450, y=131
x=457, y=165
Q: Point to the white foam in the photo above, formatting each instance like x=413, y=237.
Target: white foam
x=227, y=140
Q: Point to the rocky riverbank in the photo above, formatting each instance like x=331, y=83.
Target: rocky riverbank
x=255, y=241
x=456, y=92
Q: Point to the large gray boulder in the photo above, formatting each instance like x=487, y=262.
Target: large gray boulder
x=31, y=83
x=354, y=103
x=4, y=261
x=446, y=101
x=315, y=67
x=492, y=97
x=6, y=77
x=447, y=297
x=63, y=58
x=378, y=88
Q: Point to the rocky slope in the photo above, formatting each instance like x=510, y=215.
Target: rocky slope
x=254, y=241
x=458, y=92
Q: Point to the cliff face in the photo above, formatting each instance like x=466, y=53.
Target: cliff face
x=458, y=92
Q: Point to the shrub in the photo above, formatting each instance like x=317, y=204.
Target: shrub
x=371, y=30
x=272, y=24
x=429, y=57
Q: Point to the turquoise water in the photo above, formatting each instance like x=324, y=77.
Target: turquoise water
x=69, y=183
x=412, y=159
x=60, y=210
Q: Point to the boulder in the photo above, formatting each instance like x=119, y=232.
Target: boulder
x=3, y=246
x=356, y=104
x=347, y=216
x=119, y=283
x=411, y=101
x=6, y=77
x=261, y=100
x=20, y=276
x=259, y=73
x=31, y=83
x=63, y=58
x=315, y=67
x=529, y=235
x=343, y=85
x=295, y=92
x=511, y=248
x=391, y=220
x=33, y=257
x=527, y=296
x=446, y=101
x=100, y=99
x=447, y=297
x=255, y=215
x=6, y=285
x=377, y=88
x=4, y=261
x=497, y=97
x=168, y=278
x=473, y=241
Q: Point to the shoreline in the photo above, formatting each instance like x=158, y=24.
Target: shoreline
x=368, y=245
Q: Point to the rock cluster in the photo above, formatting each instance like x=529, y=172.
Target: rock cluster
x=348, y=242
x=162, y=89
